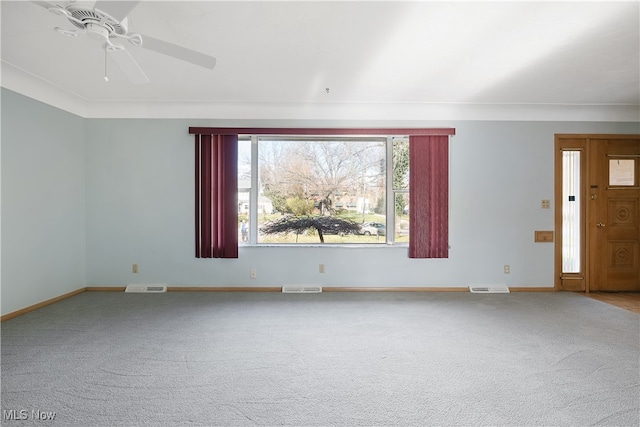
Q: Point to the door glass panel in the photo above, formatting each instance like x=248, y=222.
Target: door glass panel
x=571, y=212
x=621, y=172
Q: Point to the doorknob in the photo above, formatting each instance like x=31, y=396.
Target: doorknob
x=600, y=225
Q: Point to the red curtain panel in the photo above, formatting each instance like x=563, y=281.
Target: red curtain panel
x=216, y=206
x=429, y=195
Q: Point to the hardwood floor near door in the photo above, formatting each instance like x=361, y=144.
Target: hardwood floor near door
x=627, y=300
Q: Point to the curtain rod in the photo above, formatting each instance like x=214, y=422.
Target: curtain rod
x=322, y=131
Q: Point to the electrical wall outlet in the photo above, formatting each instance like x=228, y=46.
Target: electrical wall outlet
x=545, y=204
x=507, y=269
x=134, y=268
x=253, y=273
x=321, y=268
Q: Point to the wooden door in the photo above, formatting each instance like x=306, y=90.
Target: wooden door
x=613, y=215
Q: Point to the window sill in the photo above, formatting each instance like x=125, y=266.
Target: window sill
x=329, y=245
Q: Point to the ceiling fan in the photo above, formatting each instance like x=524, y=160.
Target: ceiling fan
x=107, y=22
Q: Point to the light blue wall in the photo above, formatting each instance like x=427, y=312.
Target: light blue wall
x=43, y=202
x=140, y=210
x=83, y=199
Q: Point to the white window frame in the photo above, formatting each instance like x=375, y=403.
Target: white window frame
x=390, y=193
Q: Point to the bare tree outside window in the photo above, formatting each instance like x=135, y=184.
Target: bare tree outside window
x=340, y=179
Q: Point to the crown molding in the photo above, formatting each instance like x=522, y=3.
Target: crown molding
x=26, y=84
x=31, y=86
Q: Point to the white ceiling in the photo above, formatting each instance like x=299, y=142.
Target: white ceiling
x=343, y=59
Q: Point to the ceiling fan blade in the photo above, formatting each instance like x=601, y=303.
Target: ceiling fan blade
x=129, y=66
x=178, y=52
x=44, y=4
x=116, y=9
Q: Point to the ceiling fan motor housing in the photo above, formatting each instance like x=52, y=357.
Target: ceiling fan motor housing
x=98, y=24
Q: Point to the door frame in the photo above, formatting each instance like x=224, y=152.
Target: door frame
x=579, y=282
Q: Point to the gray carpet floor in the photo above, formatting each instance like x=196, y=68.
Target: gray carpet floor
x=331, y=359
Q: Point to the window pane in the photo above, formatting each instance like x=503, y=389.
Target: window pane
x=332, y=179
x=402, y=217
x=622, y=172
x=244, y=188
x=571, y=212
x=400, y=163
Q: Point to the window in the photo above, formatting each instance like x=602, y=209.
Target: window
x=622, y=172
x=400, y=180
x=244, y=190
x=303, y=185
x=571, y=207
x=317, y=189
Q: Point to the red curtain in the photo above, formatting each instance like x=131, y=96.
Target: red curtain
x=216, y=206
x=429, y=196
